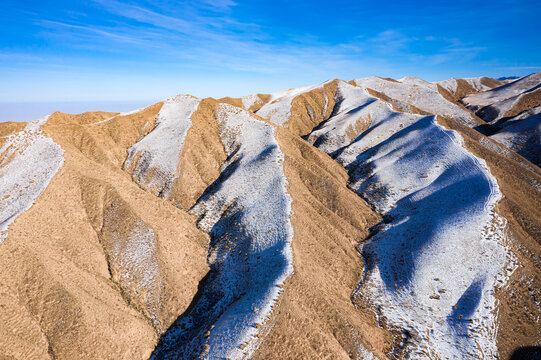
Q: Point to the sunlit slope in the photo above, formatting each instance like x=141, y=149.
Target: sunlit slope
x=408, y=152
x=364, y=219
x=250, y=253
x=96, y=268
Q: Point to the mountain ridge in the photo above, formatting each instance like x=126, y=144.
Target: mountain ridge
x=147, y=192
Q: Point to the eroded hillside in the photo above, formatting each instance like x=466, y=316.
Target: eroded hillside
x=369, y=219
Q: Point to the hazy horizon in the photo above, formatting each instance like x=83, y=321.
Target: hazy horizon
x=32, y=110
x=113, y=51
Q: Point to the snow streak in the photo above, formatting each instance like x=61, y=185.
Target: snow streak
x=154, y=159
x=246, y=212
x=28, y=161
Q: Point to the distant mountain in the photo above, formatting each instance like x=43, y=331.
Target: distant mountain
x=503, y=78
x=512, y=113
x=369, y=219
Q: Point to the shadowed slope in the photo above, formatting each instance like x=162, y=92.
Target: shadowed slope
x=246, y=213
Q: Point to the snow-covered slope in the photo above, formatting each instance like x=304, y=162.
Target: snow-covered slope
x=506, y=91
x=132, y=255
x=249, y=101
x=278, y=109
x=354, y=112
x=154, y=160
x=511, y=112
x=523, y=136
x=421, y=95
x=410, y=94
x=512, y=106
x=466, y=86
x=28, y=161
x=411, y=80
x=246, y=213
x=434, y=263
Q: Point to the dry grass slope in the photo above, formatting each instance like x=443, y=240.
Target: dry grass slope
x=316, y=318
x=100, y=268
x=65, y=291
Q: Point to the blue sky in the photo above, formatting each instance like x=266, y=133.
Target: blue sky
x=119, y=51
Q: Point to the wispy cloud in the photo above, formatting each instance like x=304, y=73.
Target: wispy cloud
x=206, y=39
x=218, y=4
x=115, y=36
x=206, y=34
x=163, y=39
x=193, y=20
x=523, y=67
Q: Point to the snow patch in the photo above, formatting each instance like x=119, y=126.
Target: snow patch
x=28, y=161
x=133, y=260
x=154, y=160
x=127, y=113
x=250, y=100
x=278, y=109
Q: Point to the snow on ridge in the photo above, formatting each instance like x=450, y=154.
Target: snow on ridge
x=416, y=81
x=247, y=214
x=432, y=268
x=506, y=91
x=421, y=95
x=154, y=159
x=433, y=265
x=278, y=109
x=353, y=106
x=250, y=100
x=127, y=113
x=28, y=161
x=449, y=84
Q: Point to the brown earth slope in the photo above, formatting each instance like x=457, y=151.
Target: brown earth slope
x=99, y=267
x=70, y=288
